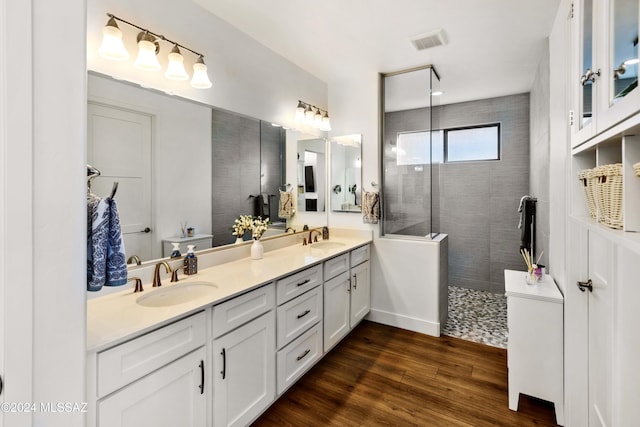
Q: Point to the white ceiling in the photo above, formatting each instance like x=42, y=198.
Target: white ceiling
x=493, y=46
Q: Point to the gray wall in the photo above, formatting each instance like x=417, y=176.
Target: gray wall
x=235, y=169
x=479, y=200
x=539, y=148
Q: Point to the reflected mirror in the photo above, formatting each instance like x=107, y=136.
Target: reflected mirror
x=311, y=171
x=346, y=173
x=180, y=165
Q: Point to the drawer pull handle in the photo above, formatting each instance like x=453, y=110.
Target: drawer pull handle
x=301, y=315
x=224, y=363
x=586, y=285
x=355, y=281
x=303, y=355
x=201, y=377
x=304, y=282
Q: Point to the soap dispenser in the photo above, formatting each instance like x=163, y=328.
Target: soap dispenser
x=175, y=252
x=190, y=261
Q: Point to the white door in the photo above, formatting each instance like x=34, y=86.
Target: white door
x=119, y=146
x=601, y=264
x=336, y=309
x=360, y=292
x=174, y=395
x=244, y=371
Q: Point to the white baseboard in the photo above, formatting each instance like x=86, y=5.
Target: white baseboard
x=404, y=322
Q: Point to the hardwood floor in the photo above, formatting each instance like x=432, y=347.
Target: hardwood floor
x=380, y=375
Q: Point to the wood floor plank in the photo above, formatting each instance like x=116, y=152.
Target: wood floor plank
x=385, y=376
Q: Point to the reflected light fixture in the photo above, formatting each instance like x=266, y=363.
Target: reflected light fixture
x=312, y=115
x=148, y=48
x=175, y=69
x=112, y=47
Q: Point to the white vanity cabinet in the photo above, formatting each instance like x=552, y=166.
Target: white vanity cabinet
x=156, y=379
x=244, y=366
x=347, y=296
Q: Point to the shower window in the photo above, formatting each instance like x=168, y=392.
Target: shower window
x=472, y=143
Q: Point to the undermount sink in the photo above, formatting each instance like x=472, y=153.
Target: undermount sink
x=327, y=245
x=176, y=294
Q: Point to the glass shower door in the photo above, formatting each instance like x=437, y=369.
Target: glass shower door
x=411, y=153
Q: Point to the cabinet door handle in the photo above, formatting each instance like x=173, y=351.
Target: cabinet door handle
x=589, y=76
x=304, y=282
x=224, y=363
x=1, y=385
x=355, y=281
x=303, y=355
x=201, y=377
x=349, y=285
x=585, y=285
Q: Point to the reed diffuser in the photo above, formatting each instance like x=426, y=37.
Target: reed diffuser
x=534, y=271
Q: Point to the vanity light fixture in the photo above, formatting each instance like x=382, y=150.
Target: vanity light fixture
x=148, y=48
x=175, y=69
x=313, y=116
x=112, y=47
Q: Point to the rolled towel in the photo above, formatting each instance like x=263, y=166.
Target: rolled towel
x=370, y=207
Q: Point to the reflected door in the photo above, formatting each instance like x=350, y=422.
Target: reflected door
x=119, y=145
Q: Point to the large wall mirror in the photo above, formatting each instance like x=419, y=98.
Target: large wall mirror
x=181, y=164
x=346, y=173
x=312, y=176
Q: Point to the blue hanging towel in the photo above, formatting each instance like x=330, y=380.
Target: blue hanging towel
x=106, y=260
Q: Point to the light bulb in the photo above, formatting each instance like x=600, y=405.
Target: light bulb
x=175, y=69
x=200, y=79
x=112, y=47
x=147, y=59
x=317, y=119
x=300, y=111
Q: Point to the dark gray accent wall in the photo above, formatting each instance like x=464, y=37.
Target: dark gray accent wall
x=479, y=200
x=236, y=171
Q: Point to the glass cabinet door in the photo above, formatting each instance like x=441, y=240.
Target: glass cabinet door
x=624, y=49
x=587, y=77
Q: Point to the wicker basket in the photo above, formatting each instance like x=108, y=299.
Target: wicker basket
x=636, y=168
x=589, y=180
x=609, y=195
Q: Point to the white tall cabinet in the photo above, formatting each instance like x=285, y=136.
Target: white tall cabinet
x=601, y=292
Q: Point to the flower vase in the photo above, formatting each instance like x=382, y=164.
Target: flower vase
x=239, y=240
x=257, y=250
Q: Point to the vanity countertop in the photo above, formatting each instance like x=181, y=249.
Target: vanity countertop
x=116, y=318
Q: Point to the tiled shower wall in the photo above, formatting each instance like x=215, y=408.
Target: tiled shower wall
x=475, y=203
x=479, y=200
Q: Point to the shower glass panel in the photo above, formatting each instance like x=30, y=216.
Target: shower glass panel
x=411, y=153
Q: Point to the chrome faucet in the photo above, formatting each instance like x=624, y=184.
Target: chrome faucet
x=134, y=258
x=156, y=273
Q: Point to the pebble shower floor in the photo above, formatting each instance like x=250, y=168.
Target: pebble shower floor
x=478, y=316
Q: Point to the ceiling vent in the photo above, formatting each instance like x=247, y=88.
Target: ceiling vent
x=428, y=40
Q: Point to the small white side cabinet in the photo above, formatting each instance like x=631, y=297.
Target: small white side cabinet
x=534, y=351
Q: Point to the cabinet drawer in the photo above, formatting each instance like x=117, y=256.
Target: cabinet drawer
x=335, y=266
x=297, y=315
x=299, y=283
x=359, y=255
x=239, y=310
x=127, y=362
x=295, y=359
